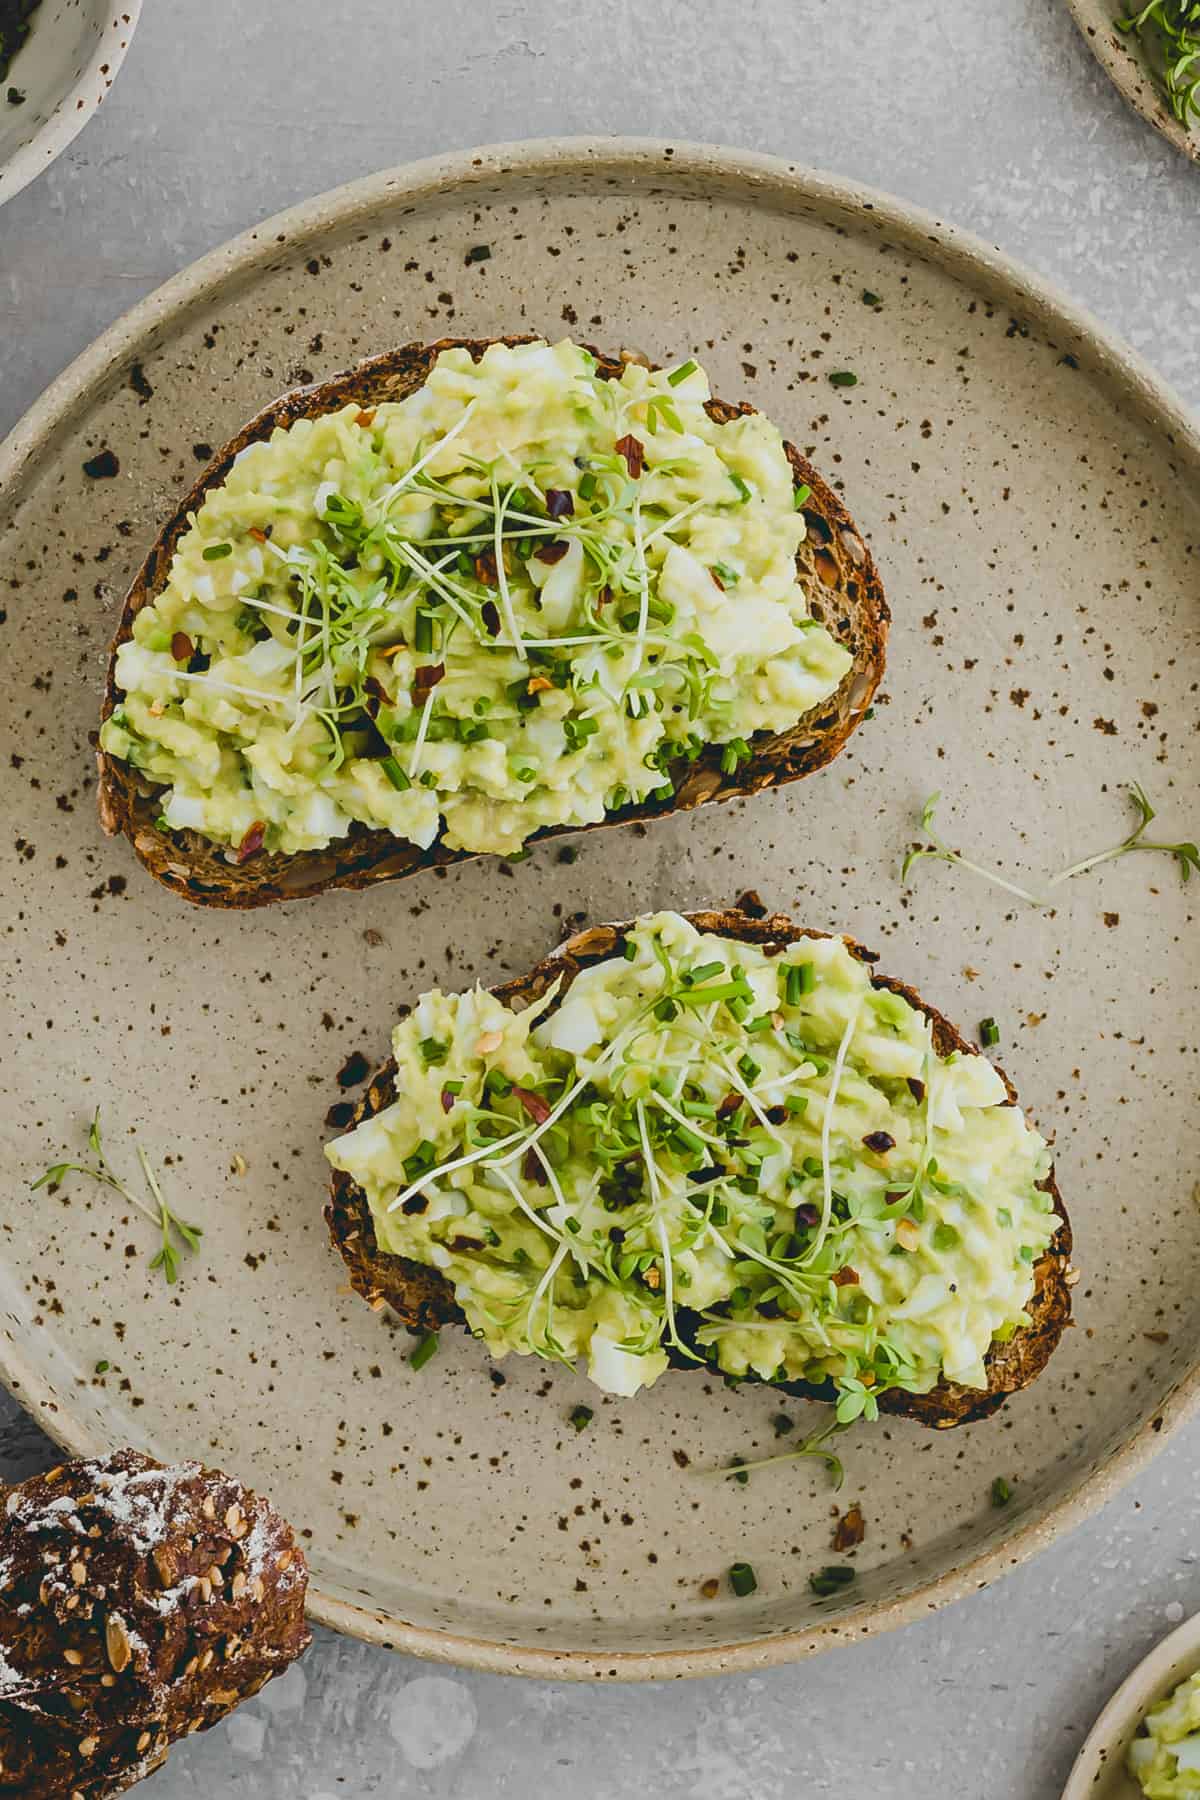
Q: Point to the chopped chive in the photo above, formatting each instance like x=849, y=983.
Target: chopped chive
x=682, y=372
x=735, y=752
x=630, y=950
x=870, y=299
x=580, y=1417
x=729, y=576
x=801, y=497
x=739, y=1473
x=800, y=979
x=102, y=1368
x=1001, y=1492
x=426, y=1348
x=587, y=485
x=742, y=1579
x=989, y=1033
x=394, y=773
x=215, y=552
x=433, y=1050
x=828, y=1581
x=423, y=633
x=843, y=378
x=704, y=973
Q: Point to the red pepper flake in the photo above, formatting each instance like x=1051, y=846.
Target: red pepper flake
x=447, y=1100
x=252, y=842
x=729, y=1104
x=916, y=1088
x=717, y=580
x=426, y=677
x=552, y=552
x=850, y=1529
x=560, y=504
x=365, y=417
x=603, y=597
x=634, y=452
x=182, y=647
x=485, y=568
x=533, y=1170
x=846, y=1277
x=776, y=1115
x=377, y=695
x=538, y=684
x=260, y=537
x=537, y=1108
x=807, y=1214
x=880, y=1141
x=490, y=614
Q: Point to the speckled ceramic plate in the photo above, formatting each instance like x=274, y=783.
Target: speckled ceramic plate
x=1120, y=55
x=1031, y=494
x=1099, y=1772
x=64, y=72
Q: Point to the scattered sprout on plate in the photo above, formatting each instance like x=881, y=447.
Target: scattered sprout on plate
x=175, y=1233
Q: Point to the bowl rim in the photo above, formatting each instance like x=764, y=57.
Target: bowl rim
x=632, y=161
x=1171, y=1660
x=74, y=108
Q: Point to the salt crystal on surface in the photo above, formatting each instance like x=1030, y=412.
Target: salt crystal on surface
x=432, y=1720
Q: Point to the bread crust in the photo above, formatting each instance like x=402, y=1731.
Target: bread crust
x=845, y=594
x=424, y=1300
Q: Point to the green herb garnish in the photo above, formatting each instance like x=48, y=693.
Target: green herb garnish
x=1001, y=1491
x=425, y=1349
x=216, y=552
x=844, y=378
x=742, y=1579
x=580, y=1417
x=937, y=851
x=831, y=1580
x=1186, y=855
x=176, y=1234
x=812, y=1446
x=1169, y=33
x=989, y=1033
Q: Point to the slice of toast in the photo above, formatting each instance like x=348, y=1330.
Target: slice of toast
x=424, y=1300
x=835, y=566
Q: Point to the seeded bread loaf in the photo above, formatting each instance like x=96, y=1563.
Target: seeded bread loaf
x=137, y=1604
x=836, y=568
x=423, y=1299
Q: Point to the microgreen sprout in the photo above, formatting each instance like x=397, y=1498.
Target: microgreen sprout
x=812, y=1446
x=1186, y=855
x=175, y=1233
x=936, y=851
x=1169, y=31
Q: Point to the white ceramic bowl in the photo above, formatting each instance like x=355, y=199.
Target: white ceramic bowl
x=1099, y=1771
x=65, y=70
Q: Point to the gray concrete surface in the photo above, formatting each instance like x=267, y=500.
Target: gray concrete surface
x=990, y=112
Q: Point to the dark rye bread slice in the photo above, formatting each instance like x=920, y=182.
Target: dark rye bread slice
x=840, y=577
x=423, y=1299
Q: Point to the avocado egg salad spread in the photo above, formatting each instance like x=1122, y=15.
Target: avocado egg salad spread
x=517, y=598
x=1165, y=1758
x=706, y=1153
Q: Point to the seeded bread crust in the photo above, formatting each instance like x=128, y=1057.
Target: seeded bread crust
x=137, y=1604
x=839, y=575
x=424, y=1300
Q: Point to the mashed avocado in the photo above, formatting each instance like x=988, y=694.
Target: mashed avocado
x=755, y=1161
x=521, y=597
x=1166, y=1761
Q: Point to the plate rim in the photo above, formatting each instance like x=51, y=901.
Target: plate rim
x=1129, y=74
x=1153, y=1677
x=628, y=159
x=76, y=108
